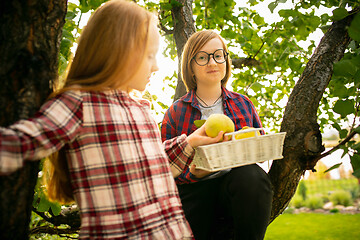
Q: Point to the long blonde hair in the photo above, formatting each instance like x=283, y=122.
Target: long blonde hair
x=110, y=45
x=193, y=46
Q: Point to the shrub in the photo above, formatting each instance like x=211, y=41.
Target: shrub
x=341, y=197
x=334, y=210
x=302, y=189
x=297, y=201
x=355, y=192
x=325, y=198
x=314, y=202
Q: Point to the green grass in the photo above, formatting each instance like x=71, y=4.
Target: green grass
x=313, y=226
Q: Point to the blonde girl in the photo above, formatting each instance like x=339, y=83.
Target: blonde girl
x=109, y=156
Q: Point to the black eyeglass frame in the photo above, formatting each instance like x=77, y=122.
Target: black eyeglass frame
x=208, y=56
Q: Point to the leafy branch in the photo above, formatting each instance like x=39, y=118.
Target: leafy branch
x=343, y=142
x=69, y=216
x=62, y=232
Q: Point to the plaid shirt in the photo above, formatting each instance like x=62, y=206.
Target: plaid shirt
x=179, y=119
x=120, y=173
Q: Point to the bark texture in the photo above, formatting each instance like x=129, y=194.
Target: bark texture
x=184, y=27
x=303, y=142
x=30, y=33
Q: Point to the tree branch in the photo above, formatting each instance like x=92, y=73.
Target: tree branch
x=69, y=216
x=54, y=231
x=245, y=62
x=163, y=28
x=343, y=142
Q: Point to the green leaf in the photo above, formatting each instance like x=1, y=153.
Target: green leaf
x=340, y=89
x=356, y=146
x=344, y=107
x=355, y=162
x=345, y=68
x=324, y=28
x=272, y=6
x=199, y=123
x=44, y=204
x=336, y=126
x=55, y=208
x=70, y=15
x=343, y=133
x=285, y=13
x=165, y=6
x=357, y=129
x=345, y=149
x=354, y=28
x=175, y=3
x=35, y=200
x=96, y=3
x=356, y=173
x=256, y=86
x=295, y=64
x=258, y=20
x=314, y=21
x=252, y=2
x=339, y=14
x=333, y=167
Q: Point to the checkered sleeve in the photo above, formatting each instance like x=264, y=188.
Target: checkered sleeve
x=180, y=154
x=56, y=123
x=179, y=168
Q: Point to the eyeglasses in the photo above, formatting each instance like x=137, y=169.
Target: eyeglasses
x=202, y=58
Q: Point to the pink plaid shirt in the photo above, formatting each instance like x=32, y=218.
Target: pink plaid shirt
x=120, y=174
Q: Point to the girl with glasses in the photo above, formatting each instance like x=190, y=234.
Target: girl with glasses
x=109, y=155
x=240, y=197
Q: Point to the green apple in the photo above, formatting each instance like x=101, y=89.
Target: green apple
x=218, y=122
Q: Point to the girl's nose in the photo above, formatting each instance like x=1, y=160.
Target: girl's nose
x=212, y=61
x=155, y=67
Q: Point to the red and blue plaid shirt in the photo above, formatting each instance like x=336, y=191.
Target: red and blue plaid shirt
x=120, y=173
x=179, y=119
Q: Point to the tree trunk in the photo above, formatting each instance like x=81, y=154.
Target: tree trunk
x=184, y=27
x=303, y=142
x=30, y=34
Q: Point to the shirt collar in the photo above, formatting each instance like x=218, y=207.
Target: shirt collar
x=190, y=96
x=226, y=93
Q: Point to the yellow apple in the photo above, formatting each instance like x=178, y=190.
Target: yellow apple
x=218, y=122
x=247, y=134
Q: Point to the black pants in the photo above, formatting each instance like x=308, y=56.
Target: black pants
x=242, y=197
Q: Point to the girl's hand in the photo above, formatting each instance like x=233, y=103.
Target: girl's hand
x=198, y=173
x=199, y=137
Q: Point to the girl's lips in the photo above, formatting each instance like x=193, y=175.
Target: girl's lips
x=212, y=71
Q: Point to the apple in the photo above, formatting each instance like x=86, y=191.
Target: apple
x=247, y=134
x=218, y=122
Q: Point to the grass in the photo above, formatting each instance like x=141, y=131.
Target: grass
x=313, y=226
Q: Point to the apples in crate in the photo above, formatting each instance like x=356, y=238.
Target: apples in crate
x=242, y=134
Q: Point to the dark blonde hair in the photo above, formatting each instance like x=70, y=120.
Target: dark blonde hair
x=110, y=46
x=193, y=46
